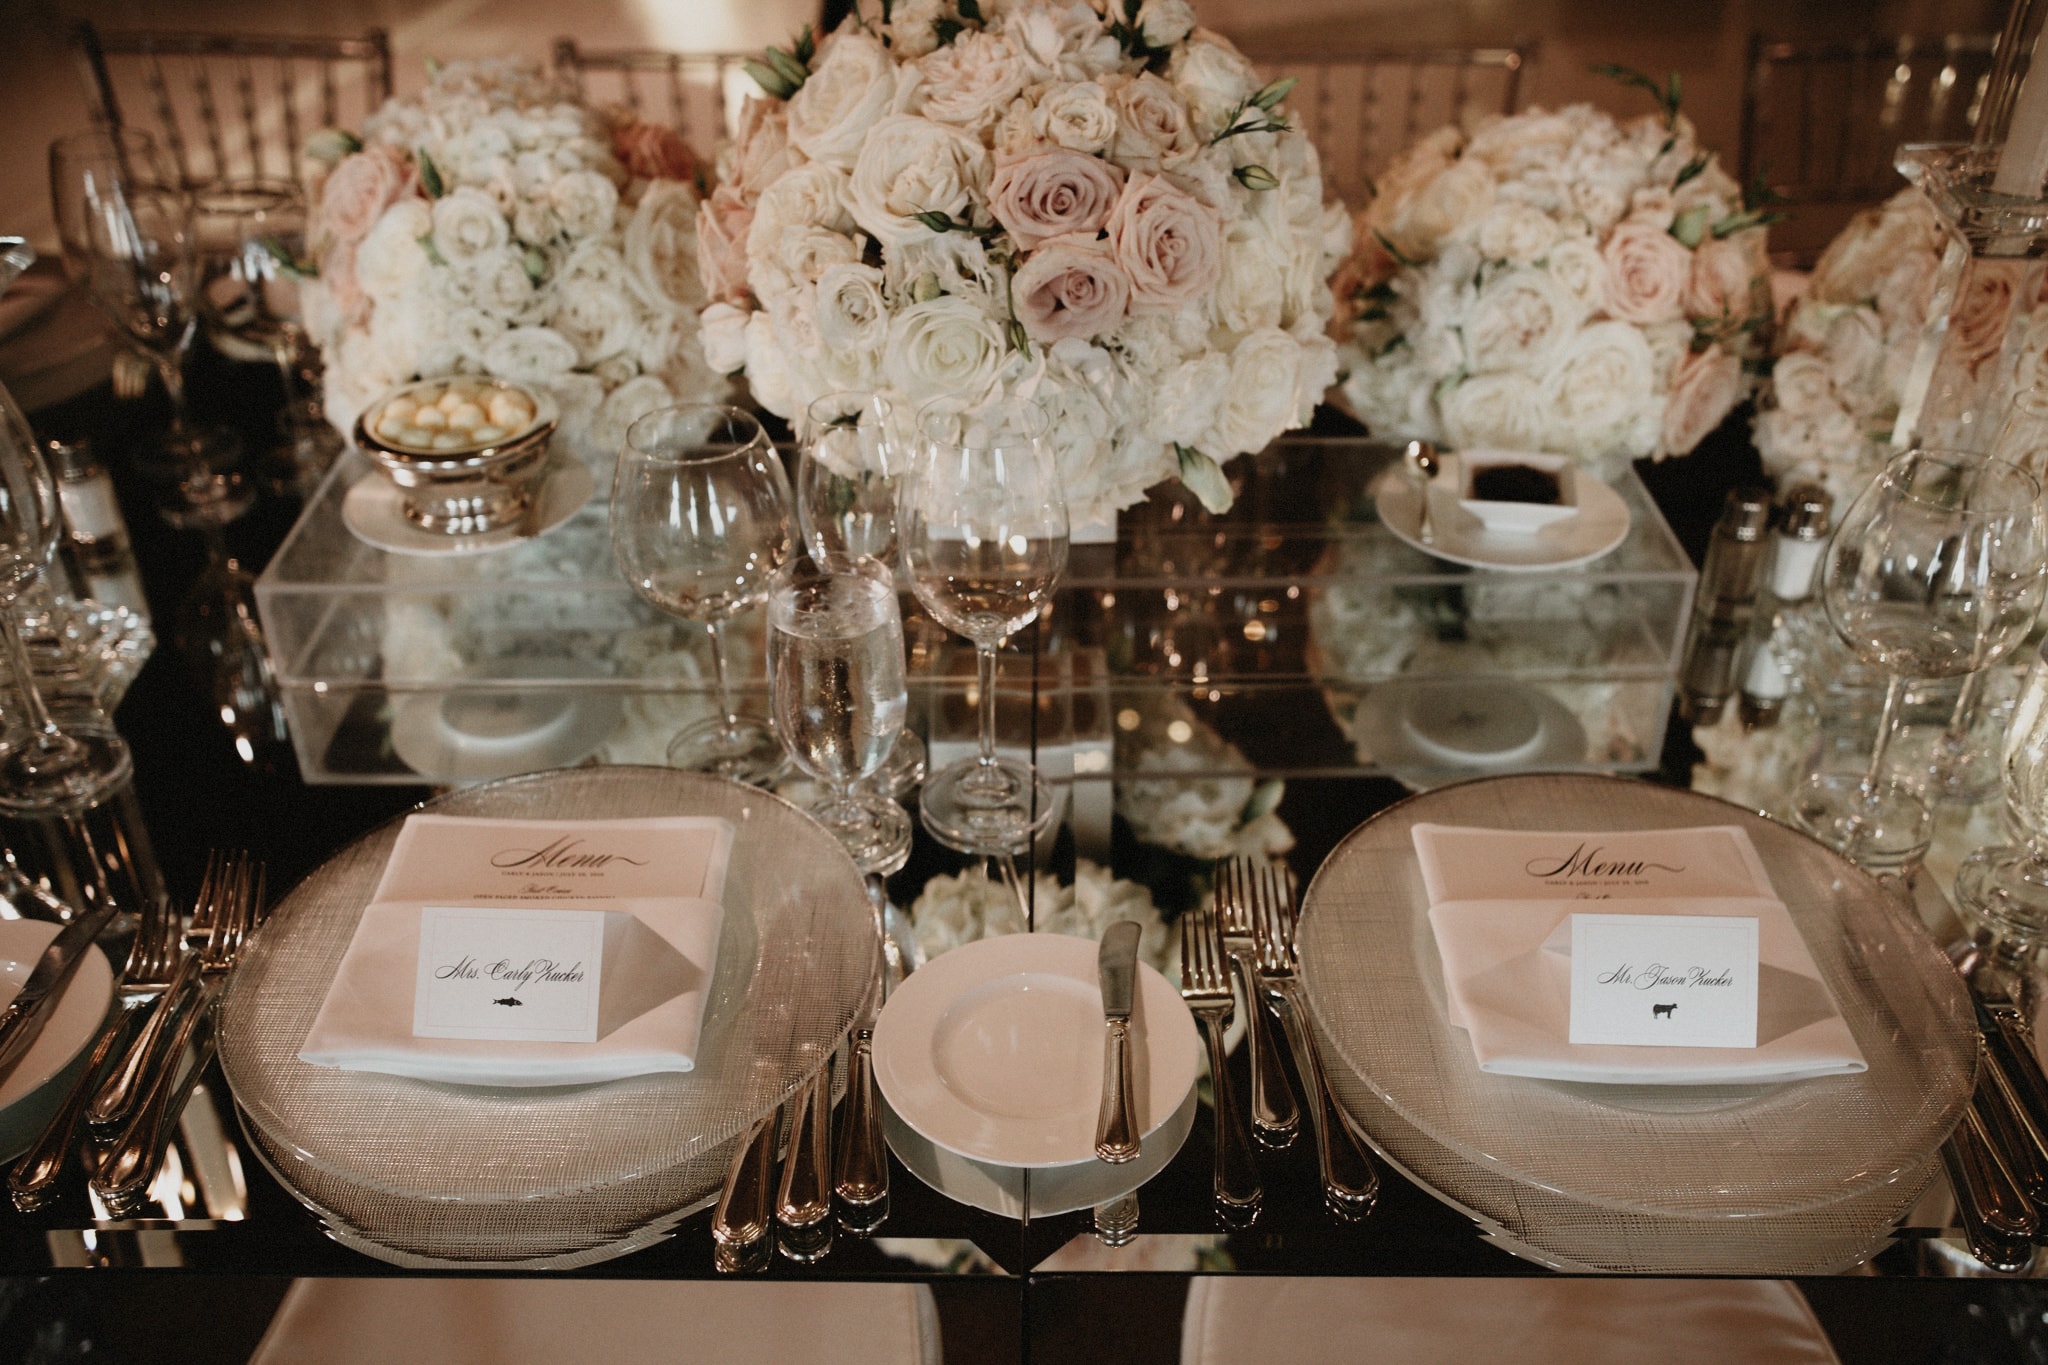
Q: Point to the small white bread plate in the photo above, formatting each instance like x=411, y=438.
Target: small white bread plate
x=993, y=1051
x=31, y=1093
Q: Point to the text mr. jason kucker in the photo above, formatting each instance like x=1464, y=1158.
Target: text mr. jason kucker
x=1657, y=974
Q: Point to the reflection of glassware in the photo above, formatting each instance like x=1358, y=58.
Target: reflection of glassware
x=127, y=232
x=700, y=519
x=836, y=678
x=49, y=769
x=2007, y=888
x=849, y=472
x=984, y=532
x=1934, y=571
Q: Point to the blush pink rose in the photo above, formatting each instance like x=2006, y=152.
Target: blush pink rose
x=1170, y=243
x=358, y=191
x=1647, y=272
x=722, y=224
x=1704, y=386
x=1725, y=273
x=1051, y=193
x=1983, y=312
x=1072, y=286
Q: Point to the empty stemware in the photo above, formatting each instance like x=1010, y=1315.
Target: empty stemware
x=984, y=533
x=700, y=519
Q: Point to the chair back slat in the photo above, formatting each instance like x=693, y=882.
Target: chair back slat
x=1364, y=109
x=696, y=93
x=211, y=99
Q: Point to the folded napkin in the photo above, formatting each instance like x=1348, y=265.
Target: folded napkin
x=658, y=883
x=1501, y=903
x=1507, y=977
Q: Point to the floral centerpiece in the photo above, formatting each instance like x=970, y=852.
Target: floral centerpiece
x=492, y=225
x=1848, y=346
x=1031, y=198
x=1556, y=281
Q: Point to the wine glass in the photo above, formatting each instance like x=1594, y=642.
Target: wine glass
x=126, y=226
x=1934, y=571
x=700, y=519
x=838, y=696
x=849, y=474
x=45, y=769
x=984, y=532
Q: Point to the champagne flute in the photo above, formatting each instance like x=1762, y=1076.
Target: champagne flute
x=1935, y=571
x=700, y=519
x=984, y=532
x=849, y=475
x=836, y=679
x=126, y=226
x=46, y=769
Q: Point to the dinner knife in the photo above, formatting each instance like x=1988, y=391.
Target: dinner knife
x=22, y=1021
x=1116, y=963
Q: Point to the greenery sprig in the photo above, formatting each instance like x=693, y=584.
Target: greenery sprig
x=781, y=74
x=1255, y=114
x=946, y=222
x=1130, y=35
x=1667, y=95
x=430, y=174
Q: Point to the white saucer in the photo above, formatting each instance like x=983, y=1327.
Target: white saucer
x=993, y=1051
x=35, y=1088
x=374, y=510
x=1431, y=731
x=1601, y=524
x=1054, y=1189
x=468, y=734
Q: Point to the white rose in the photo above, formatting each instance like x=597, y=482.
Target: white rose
x=1251, y=292
x=813, y=195
x=625, y=405
x=853, y=318
x=467, y=225
x=597, y=316
x=911, y=166
x=1215, y=80
x=585, y=203
x=1601, y=199
x=1518, y=321
x=534, y=220
x=530, y=355
x=1185, y=398
x=848, y=92
x=391, y=257
x=953, y=262
x=944, y=348
x=1263, y=398
x=1855, y=354
x=798, y=259
x=970, y=81
x=1152, y=128
x=1507, y=411
x=660, y=247
x=1669, y=343
x=724, y=330
x=1077, y=117
x=1519, y=142
x=1576, y=264
x=1801, y=386
x=1165, y=22
x=1600, y=394
x=1416, y=222
x=772, y=371
x=1515, y=232
x=500, y=285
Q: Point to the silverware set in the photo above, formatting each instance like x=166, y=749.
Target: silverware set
x=1252, y=926
x=1997, y=1158
x=143, y=1065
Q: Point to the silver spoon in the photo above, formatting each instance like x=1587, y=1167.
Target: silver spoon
x=1421, y=460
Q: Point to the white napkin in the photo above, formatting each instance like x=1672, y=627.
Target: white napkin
x=1501, y=903
x=658, y=881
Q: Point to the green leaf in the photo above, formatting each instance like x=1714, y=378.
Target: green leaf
x=806, y=46
x=1204, y=478
x=1691, y=169
x=535, y=263
x=288, y=263
x=946, y=30
x=1690, y=227
x=788, y=67
x=433, y=251
x=936, y=221
x=1256, y=178
x=1667, y=95
x=1273, y=93
x=1748, y=218
x=430, y=174
x=768, y=79
x=970, y=11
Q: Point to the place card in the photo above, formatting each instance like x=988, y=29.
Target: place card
x=1461, y=863
x=1664, y=980
x=512, y=975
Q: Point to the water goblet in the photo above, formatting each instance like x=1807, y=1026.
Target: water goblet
x=699, y=520
x=1935, y=571
x=984, y=533
x=838, y=696
x=126, y=226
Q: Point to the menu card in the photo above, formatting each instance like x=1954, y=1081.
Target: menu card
x=603, y=932
x=1502, y=907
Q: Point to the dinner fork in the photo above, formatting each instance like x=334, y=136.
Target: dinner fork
x=129, y=1166
x=1275, y=1119
x=115, y=1098
x=1350, y=1180
x=1205, y=986
x=152, y=957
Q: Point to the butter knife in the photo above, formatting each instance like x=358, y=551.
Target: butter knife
x=22, y=1021
x=1116, y=1124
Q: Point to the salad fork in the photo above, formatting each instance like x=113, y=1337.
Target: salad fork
x=1350, y=1180
x=1205, y=986
x=1275, y=1120
x=152, y=957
